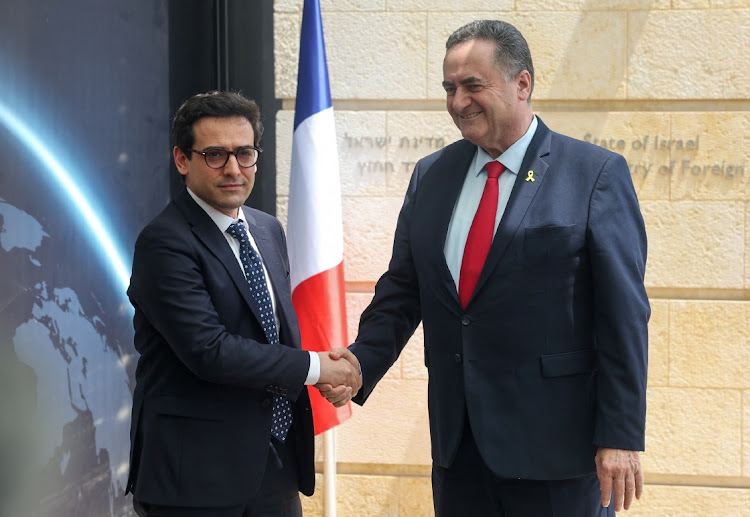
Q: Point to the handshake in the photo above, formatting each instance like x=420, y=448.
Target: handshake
x=340, y=376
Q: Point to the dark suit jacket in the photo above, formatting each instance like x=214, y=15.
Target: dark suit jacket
x=549, y=357
x=200, y=429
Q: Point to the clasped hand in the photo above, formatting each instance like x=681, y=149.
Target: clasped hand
x=339, y=380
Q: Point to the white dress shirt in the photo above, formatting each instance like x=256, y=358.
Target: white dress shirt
x=223, y=221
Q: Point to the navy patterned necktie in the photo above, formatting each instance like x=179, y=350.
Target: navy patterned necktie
x=282, y=409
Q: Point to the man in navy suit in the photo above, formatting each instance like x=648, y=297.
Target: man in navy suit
x=220, y=352
x=535, y=337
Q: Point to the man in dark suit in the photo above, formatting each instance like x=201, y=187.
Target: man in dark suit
x=221, y=423
x=530, y=290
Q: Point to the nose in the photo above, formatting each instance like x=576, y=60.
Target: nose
x=232, y=167
x=461, y=100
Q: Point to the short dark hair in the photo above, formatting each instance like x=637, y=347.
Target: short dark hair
x=512, y=54
x=212, y=104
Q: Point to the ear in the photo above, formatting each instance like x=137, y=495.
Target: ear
x=180, y=161
x=524, y=85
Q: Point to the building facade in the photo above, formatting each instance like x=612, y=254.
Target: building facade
x=666, y=83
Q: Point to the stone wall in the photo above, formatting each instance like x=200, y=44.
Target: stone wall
x=664, y=82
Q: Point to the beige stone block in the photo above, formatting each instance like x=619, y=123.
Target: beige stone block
x=693, y=432
x=496, y=6
x=355, y=304
x=361, y=145
x=361, y=138
x=695, y=54
x=746, y=433
x=631, y=134
x=369, y=226
x=391, y=428
x=314, y=506
x=286, y=52
x=709, y=344
x=690, y=501
x=377, y=149
x=282, y=210
x=354, y=6
x=412, y=135
x=718, y=168
x=287, y=6
x=284, y=138
x=695, y=244
x=576, y=54
x=747, y=245
x=587, y=5
x=370, y=55
x=384, y=495
x=367, y=495
x=691, y=4
x=415, y=497
x=658, y=344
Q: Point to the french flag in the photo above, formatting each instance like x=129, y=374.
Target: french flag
x=314, y=225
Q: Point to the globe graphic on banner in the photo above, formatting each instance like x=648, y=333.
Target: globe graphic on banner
x=72, y=424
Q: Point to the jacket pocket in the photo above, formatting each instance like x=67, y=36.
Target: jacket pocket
x=550, y=247
x=569, y=363
x=188, y=408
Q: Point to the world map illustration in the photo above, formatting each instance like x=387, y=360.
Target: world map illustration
x=64, y=449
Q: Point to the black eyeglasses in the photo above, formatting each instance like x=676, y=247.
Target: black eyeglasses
x=218, y=158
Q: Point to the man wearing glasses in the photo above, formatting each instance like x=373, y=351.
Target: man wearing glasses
x=221, y=422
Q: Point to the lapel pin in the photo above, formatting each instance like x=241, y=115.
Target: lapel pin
x=530, y=176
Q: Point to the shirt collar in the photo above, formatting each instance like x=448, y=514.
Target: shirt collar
x=219, y=218
x=512, y=158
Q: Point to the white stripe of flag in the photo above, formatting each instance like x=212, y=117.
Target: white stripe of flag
x=314, y=225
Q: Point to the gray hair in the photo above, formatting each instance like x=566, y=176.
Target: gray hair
x=512, y=54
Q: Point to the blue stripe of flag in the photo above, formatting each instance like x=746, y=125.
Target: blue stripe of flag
x=313, y=90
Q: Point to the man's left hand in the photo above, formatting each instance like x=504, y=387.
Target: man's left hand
x=619, y=471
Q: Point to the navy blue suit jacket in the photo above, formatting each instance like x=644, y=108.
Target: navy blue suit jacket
x=549, y=357
x=200, y=430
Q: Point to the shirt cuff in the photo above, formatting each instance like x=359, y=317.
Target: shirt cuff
x=313, y=374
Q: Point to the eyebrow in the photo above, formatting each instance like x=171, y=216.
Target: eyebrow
x=222, y=148
x=469, y=80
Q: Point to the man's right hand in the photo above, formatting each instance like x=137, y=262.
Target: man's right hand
x=336, y=389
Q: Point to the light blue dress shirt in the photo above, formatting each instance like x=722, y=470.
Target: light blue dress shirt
x=471, y=194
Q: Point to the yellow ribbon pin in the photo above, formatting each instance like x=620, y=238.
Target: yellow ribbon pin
x=530, y=176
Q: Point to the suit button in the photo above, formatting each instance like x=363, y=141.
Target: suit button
x=465, y=320
x=265, y=402
x=458, y=358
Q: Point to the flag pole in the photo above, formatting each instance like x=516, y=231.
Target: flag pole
x=329, y=472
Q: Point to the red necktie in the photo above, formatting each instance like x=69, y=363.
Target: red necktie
x=480, y=234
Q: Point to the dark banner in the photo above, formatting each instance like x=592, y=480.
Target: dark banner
x=84, y=164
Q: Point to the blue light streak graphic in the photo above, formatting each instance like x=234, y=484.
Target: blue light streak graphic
x=63, y=177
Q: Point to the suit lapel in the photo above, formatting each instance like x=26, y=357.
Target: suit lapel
x=521, y=197
x=207, y=232
x=447, y=181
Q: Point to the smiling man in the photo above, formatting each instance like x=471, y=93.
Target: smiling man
x=222, y=425
x=522, y=252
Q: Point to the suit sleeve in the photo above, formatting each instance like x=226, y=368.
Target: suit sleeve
x=169, y=291
x=394, y=312
x=617, y=248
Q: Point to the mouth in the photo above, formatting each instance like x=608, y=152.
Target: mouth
x=469, y=116
x=231, y=186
